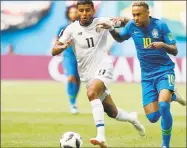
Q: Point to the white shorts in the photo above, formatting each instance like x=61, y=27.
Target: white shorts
x=105, y=74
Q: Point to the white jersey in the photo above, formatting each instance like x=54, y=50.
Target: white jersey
x=89, y=47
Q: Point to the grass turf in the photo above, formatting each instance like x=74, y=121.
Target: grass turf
x=36, y=113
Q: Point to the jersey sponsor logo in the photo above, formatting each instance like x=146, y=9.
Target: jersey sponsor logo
x=79, y=33
x=155, y=33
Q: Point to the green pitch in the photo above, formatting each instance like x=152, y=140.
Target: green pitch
x=36, y=113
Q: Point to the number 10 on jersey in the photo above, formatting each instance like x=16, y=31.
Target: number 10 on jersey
x=146, y=42
x=90, y=42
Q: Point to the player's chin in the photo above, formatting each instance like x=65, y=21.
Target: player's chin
x=85, y=22
x=138, y=24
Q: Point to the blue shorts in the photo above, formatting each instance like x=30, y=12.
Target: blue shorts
x=152, y=87
x=69, y=64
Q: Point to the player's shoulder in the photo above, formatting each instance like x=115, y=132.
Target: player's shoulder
x=67, y=27
x=61, y=30
x=157, y=21
x=131, y=24
x=74, y=23
x=71, y=25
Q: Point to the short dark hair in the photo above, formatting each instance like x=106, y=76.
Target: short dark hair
x=68, y=9
x=84, y=2
x=141, y=3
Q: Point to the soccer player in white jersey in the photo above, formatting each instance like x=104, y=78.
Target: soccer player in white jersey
x=95, y=67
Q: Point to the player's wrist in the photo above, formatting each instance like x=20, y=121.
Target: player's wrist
x=112, y=28
x=163, y=45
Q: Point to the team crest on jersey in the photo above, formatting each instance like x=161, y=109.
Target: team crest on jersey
x=98, y=29
x=155, y=33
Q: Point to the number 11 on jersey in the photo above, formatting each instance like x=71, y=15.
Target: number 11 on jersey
x=90, y=40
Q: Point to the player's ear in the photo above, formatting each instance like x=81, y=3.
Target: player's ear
x=148, y=12
x=93, y=11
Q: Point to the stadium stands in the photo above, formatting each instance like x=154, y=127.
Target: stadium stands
x=37, y=39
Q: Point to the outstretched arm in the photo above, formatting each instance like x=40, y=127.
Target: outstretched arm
x=120, y=20
x=116, y=35
x=119, y=37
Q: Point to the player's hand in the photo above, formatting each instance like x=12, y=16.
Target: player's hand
x=108, y=25
x=59, y=47
x=64, y=46
x=156, y=45
x=116, y=20
x=104, y=26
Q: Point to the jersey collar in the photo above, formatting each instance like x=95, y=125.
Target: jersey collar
x=88, y=24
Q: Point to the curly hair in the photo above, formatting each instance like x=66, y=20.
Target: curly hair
x=141, y=3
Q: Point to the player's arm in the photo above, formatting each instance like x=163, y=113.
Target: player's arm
x=60, y=47
x=169, y=43
x=116, y=35
x=63, y=42
x=119, y=21
x=119, y=37
x=171, y=49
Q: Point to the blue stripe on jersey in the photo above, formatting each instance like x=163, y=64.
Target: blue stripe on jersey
x=61, y=30
x=98, y=125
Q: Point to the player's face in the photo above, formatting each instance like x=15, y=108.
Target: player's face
x=140, y=15
x=85, y=13
x=73, y=14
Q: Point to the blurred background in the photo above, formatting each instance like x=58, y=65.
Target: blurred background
x=29, y=28
x=34, y=103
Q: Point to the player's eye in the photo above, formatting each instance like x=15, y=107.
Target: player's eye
x=88, y=10
x=81, y=10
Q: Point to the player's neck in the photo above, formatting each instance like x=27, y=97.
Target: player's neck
x=71, y=21
x=146, y=24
